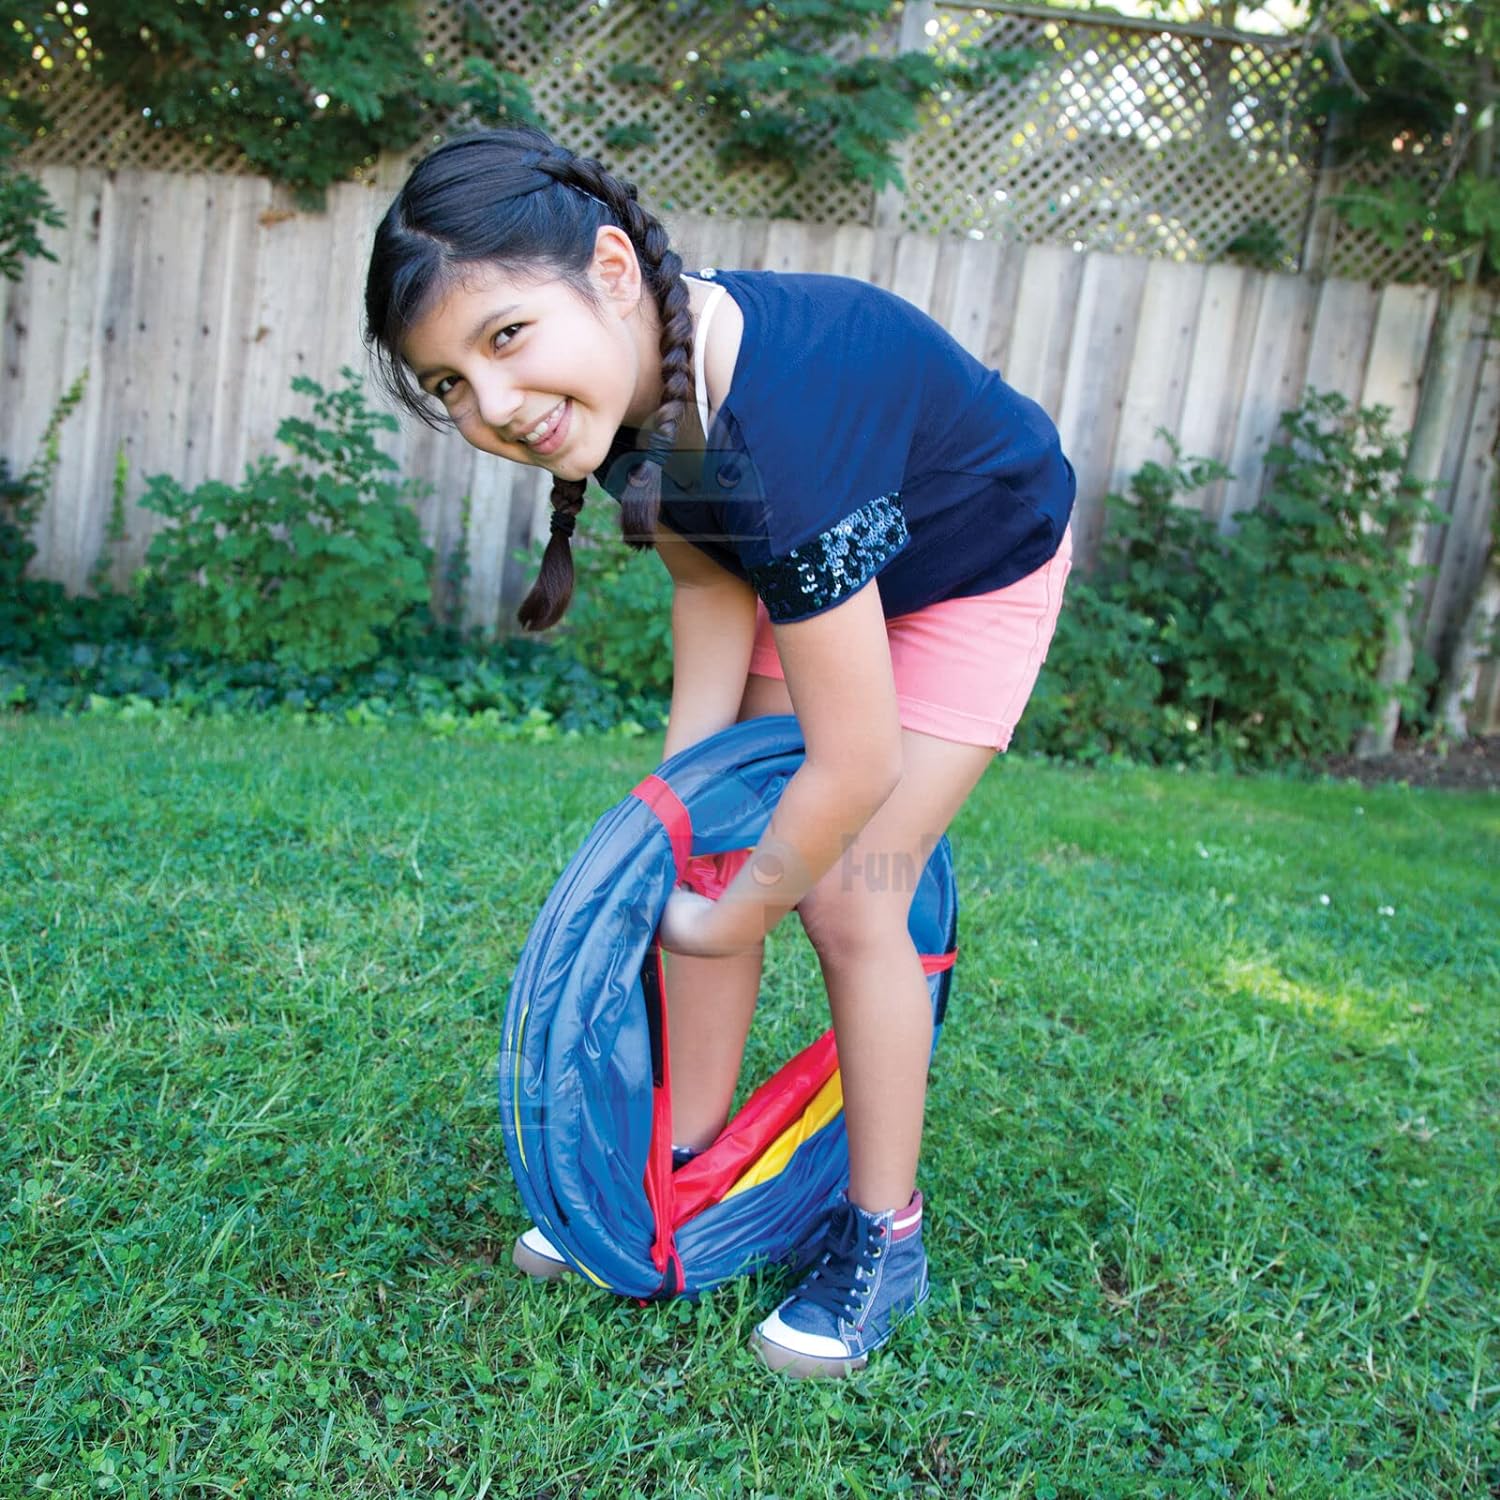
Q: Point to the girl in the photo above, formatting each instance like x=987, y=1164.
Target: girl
x=863, y=526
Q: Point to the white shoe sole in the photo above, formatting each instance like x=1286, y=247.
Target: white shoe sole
x=539, y=1267
x=797, y=1366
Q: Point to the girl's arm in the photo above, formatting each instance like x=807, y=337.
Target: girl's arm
x=838, y=673
x=713, y=630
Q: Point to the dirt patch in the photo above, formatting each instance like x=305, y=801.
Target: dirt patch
x=1473, y=766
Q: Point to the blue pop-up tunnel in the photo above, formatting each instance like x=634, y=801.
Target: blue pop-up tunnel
x=585, y=1063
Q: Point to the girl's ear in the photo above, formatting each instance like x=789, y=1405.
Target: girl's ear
x=616, y=269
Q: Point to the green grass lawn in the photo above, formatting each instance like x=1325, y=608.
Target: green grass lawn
x=1211, y=1159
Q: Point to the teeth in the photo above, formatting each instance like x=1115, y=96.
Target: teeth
x=535, y=435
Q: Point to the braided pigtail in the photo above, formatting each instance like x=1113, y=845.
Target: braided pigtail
x=552, y=592
x=661, y=268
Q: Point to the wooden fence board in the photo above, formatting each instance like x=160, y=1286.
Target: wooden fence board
x=81, y=475
x=754, y=235
x=1341, y=337
x=1004, y=296
x=853, y=251
x=1042, y=330
x=35, y=375
x=1158, y=365
x=1277, y=360
x=231, y=323
x=790, y=246
x=963, y=290
x=1464, y=543
x=351, y=228
x=1398, y=347
x=1483, y=710
x=915, y=269
x=1098, y=369
x=884, y=246
x=1223, y=337
x=179, y=267
x=130, y=422
x=1467, y=315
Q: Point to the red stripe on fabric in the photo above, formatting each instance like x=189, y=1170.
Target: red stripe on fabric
x=659, y=1184
x=908, y=1220
x=710, y=874
x=764, y=1115
x=667, y=806
x=937, y=963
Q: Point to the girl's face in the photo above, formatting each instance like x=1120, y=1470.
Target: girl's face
x=530, y=371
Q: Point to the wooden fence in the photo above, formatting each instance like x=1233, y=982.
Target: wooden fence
x=192, y=300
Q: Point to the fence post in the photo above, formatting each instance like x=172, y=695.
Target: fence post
x=912, y=37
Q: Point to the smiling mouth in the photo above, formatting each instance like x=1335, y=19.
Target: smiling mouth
x=545, y=428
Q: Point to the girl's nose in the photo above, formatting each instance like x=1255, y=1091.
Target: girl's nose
x=498, y=399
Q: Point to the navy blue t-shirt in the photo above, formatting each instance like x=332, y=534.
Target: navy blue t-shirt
x=860, y=440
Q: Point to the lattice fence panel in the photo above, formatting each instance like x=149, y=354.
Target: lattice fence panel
x=1362, y=253
x=1142, y=139
x=566, y=51
x=1121, y=139
x=1156, y=140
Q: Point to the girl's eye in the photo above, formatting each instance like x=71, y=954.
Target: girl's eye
x=443, y=388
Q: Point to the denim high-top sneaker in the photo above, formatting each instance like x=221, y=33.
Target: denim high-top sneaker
x=871, y=1274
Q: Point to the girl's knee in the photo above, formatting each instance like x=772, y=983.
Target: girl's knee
x=846, y=923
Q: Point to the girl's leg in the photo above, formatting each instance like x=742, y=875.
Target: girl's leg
x=711, y=1001
x=873, y=1268
x=856, y=918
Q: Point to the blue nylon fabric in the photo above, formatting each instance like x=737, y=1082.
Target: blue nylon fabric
x=575, y=1087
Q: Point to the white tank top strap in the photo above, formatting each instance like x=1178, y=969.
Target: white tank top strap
x=700, y=347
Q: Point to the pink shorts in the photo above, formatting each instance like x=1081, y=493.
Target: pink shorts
x=964, y=668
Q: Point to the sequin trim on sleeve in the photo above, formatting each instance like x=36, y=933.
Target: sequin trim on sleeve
x=835, y=563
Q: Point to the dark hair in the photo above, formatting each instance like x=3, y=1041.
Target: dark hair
x=516, y=199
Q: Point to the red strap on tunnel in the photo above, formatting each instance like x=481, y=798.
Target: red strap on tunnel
x=938, y=963
x=659, y=1185
x=667, y=806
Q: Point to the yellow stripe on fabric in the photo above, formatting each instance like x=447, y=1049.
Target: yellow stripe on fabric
x=515, y=1093
x=821, y=1108
x=597, y=1280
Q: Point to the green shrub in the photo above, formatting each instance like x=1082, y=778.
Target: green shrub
x=304, y=562
x=1284, y=661
x=1249, y=647
x=1114, y=680
x=509, y=689
x=619, y=624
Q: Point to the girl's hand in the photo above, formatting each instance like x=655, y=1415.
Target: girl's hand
x=696, y=927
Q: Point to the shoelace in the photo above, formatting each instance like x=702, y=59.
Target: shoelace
x=842, y=1279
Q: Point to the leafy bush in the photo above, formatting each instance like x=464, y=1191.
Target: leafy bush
x=619, y=624
x=1251, y=647
x=1286, y=656
x=302, y=563
x=517, y=689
